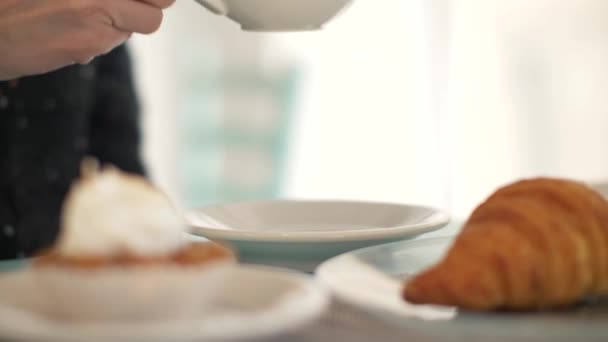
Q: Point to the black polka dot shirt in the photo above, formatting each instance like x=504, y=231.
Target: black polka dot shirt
x=48, y=123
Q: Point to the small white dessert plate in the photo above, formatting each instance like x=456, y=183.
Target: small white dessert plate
x=301, y=234
x=273, y=301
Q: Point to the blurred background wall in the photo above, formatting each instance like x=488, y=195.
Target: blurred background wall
x=422, y=101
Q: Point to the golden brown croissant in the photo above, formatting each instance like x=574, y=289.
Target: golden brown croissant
x=535, y=244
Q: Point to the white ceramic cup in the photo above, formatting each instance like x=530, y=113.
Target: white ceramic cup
x=278, y=15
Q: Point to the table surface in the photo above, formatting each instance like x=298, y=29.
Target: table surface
x=344, y=322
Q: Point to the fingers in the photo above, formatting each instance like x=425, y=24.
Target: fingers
x=86, y=45
x=163, y=4
x=106, y=42
x=135, y=16
x=106, y=24
x=37, y=36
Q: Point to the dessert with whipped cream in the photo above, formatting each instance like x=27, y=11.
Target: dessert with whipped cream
x=123, y=255
x=111, y=217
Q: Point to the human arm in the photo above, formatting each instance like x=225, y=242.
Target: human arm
x=37, y=36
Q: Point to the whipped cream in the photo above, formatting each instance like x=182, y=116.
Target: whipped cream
x=109, y=213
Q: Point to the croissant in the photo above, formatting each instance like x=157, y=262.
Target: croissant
x=533, y=245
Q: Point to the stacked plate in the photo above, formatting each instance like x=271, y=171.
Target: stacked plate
x=302, y=234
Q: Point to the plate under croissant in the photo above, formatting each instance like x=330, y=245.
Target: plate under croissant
x=372, y=279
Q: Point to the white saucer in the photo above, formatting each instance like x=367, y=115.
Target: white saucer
x=302, y=234
x=272, y=302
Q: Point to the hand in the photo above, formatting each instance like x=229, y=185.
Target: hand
x=37, y=36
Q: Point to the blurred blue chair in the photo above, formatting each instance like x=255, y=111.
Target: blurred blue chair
x=234, y=132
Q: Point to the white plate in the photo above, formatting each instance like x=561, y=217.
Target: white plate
x=372, y=279
x=257, y=302
x=301, y=234
x=601, y=187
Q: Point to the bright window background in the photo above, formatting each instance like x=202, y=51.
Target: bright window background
x=384, y=108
